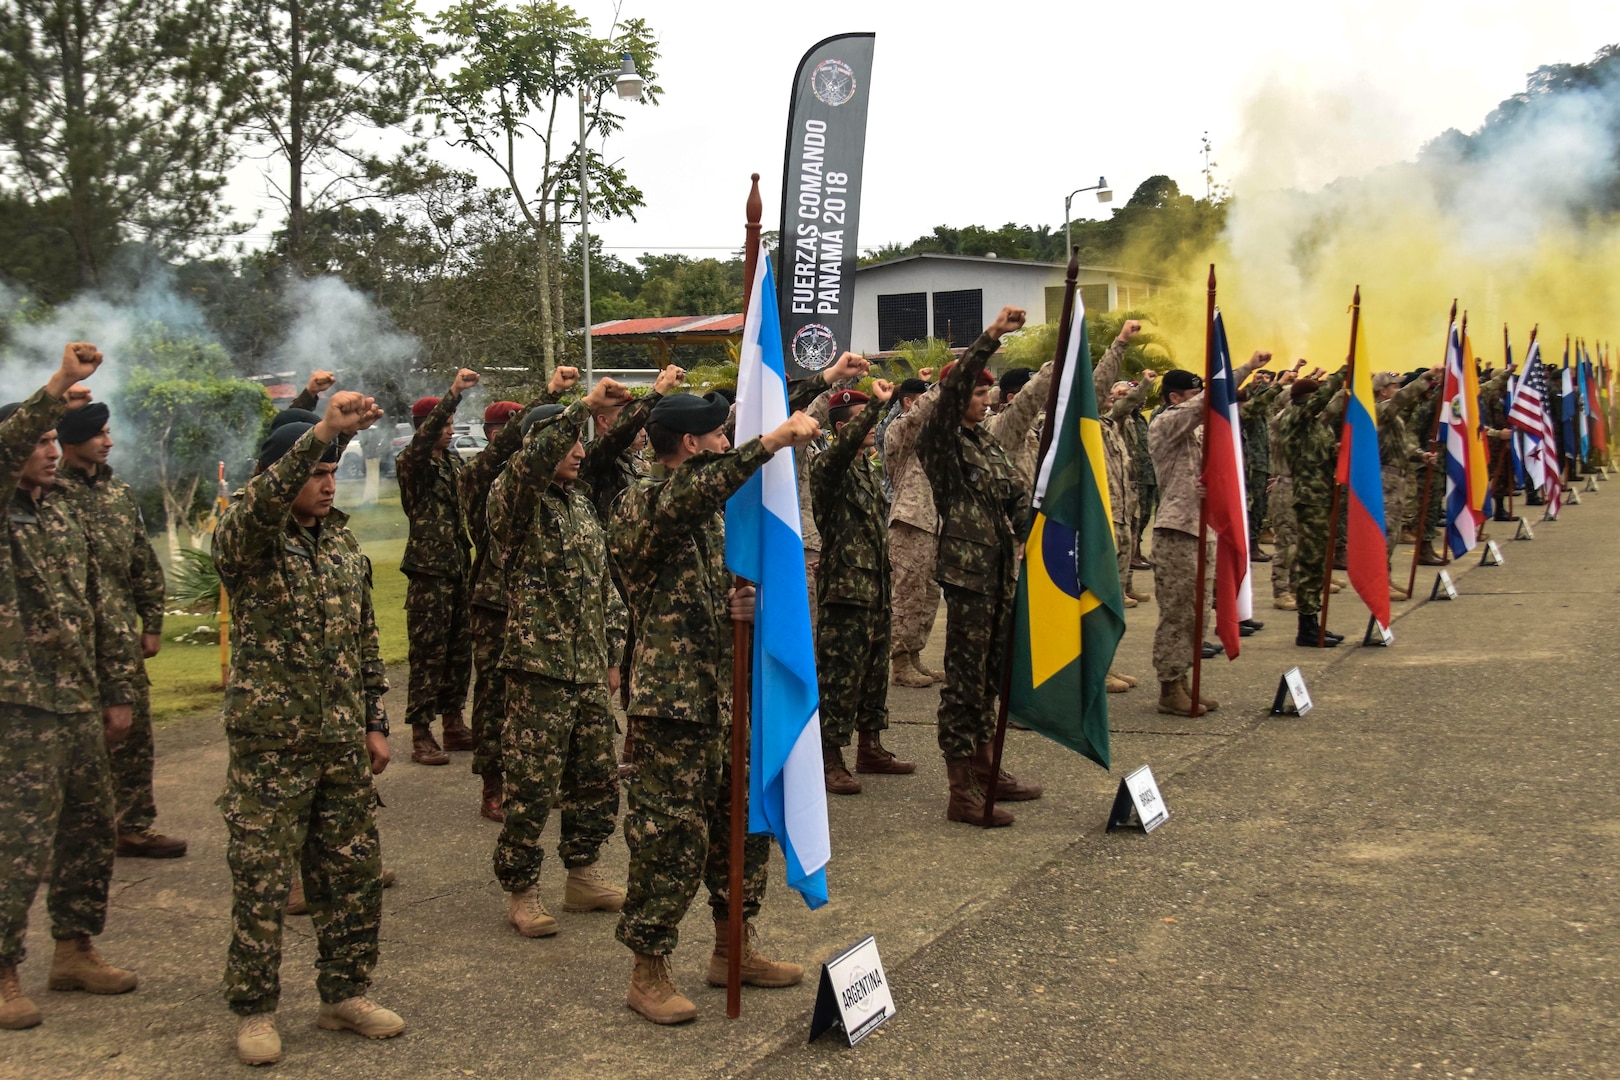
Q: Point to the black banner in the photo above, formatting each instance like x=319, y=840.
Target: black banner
x=821, y=201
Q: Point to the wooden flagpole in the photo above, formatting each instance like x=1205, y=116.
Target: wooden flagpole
x=742, y=652
x=1507, y=444
x=1048, y=433
x=1338, y=488
x=1422, y=521
x=1203, y=502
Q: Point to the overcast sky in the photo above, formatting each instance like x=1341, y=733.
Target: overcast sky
x=988, y=112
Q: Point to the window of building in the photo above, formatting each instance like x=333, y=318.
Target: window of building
x=1054, y=303
x=959, y=316
x=1095, y=297
x=901, y=317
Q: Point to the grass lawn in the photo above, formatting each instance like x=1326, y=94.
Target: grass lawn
x=185, y=678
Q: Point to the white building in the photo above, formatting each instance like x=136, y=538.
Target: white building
x=954, y=297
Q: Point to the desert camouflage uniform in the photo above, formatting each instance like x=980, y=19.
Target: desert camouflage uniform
x=983, y=515
x=1281, y=504
x=132, y=590
x=437, y=562
x=668, y=537
x=852, y=640
x=1493, y=410
x=1310, y=438
x=486, y=615
x=306, y=677
x=565, y=623
x=913, y=529
x=1395, y=455
x=61, y=660
x=1176, y=440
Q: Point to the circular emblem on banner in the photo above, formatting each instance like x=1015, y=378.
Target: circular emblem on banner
x=814, y=347
x=833, y=82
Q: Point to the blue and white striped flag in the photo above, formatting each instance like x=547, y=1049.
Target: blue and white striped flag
x=787, y=794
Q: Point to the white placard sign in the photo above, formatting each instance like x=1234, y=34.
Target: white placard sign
x=1442, y=584
x=854, y=993
x=1492, y=556
x=1150, y=805
x=1291, y=691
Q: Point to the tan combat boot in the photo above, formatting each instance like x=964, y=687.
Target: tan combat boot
x=757, y=970
x=78, y=966
x=966, y=803
x=835, y=774
x=653, y=994
x=361, y=1016
x=1209, y=703
x=933, y=673
x=1129, y=680
x=1285, y=602
x=871, y=756
x=1008, y=787
x=257, y=1040
x=425, y=749
x=587, y=891
x=16, y=1010
x=1174, y=700
x=457, y=735
x=907, y=675
x=491, y=803
x=526, y=912
x=1115, y=684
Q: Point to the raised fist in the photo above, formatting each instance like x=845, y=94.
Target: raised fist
x=926, y=374
x=1010, y=319
x=78, y=395
x=669, y=379
x=1148, y=374
x=1260, y=358
x=849, y=366
x=465, y=380
x=348, y=412
x=881, y=390
x=797, y=430
x=1131, y=328
x=563, y=379
x=320, y=381
x=80, y=360
x=606, y=394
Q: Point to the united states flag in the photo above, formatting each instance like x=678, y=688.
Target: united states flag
x=1528, y=413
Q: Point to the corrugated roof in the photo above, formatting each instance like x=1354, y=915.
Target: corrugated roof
x=675, y=324
x=1115, y=270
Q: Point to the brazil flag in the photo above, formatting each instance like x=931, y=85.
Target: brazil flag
x=1070, y=614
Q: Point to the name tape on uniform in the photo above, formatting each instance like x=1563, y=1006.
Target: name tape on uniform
x=854, y=993
x=1293, y=699
x=1138, y=804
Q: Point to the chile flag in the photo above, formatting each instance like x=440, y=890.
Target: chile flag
x=1226, y=498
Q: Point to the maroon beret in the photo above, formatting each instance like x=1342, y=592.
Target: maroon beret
x=985, y=378
x=424, y=406
x=843, y=399
x=501, y=412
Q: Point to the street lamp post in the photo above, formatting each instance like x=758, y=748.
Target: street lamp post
x=628, y=85
x=1103, y=195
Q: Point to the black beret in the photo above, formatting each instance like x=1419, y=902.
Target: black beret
x=912, y=386
x=688, y=414
x=540, y=413
x=1013, y=380
x=294, y=416
x=82, y=424
x=7, y=409
x=281, y=440
x=1180, y=381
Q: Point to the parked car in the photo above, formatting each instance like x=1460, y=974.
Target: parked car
x=468, y=447
x=352, y=465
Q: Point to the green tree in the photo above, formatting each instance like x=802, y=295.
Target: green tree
x=513, y=76
x=115, y=117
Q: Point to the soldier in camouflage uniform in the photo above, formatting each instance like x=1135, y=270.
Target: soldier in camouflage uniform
x=913, y=529
x=564, y=633
x=1310, y=431
x=984, y=513
x=1256, y=399
x=852, y=639
x=1122, y=402
x=132, y=590
x=1493, y=411
x=1397, y=451
x=668, y=537
x=67, y=676
x=1280, y=504
x=306, y=731
x=486, y=615
x=438, y=564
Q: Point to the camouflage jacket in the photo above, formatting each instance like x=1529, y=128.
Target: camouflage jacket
x=473, y=484
x=983, y=509
x=132, y=585
x=1015, y=427
x=610, y=465
x=1137, y=427
x=1176, y=440
x=60, y=650
x=913, y=498
x=565, y=616
x=1310, y=436
x=846, y=491
x=1395, y=446
x=1254, y=417
x=1118, y=457
x=810, y=396
x=668, y=537
x=429, y=493
x=304, y=659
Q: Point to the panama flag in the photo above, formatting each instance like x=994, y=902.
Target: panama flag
x=1359, y=468
x=1069, y=612
x=1226, y=498
x=787, y=796
x=1465, y=453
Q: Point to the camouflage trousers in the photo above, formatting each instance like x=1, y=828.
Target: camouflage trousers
x=1175, y=576
x=852, y=666
x=1437, y=500
x=1254, y=483
x=812, y=561
x=678, y=828
x=311, y=804
x=558, y=748
x=977, y=626
x=1311, y=513
x=56, y=810
x=487, y=628
x=1147, y=501
x=1286, y=530
x=1124, y=545
x=133, y=760
x=1394, y=508
x=916, y=594
x=436, y=612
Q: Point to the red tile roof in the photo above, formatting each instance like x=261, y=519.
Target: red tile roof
x=705, y=325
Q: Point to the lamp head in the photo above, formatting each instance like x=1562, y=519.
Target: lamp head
x=1103, y=194
x=629, y=83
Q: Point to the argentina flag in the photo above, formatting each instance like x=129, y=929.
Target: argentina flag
x=787, y=796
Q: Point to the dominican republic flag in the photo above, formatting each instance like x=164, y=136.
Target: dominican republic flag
x=787, y=796
x=1466, y=489
x=1225, y=496
x=1359, y=469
